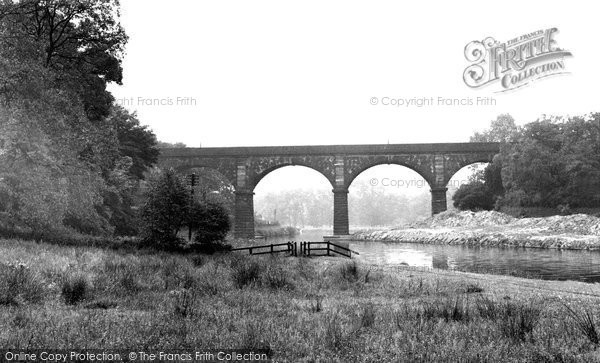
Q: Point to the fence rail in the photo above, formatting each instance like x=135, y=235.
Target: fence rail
x=306, y=249
x=259, y=250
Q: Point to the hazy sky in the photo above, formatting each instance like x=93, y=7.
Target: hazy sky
x=298, y=73
x=294, y=73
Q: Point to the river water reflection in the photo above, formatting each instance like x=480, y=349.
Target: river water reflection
x=546, y=264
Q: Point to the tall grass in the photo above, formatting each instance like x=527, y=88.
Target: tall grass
x=298, y=309
x=19, y=285
x=584, y=322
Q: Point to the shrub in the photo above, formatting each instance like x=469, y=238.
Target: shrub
x=19, y=285
x=209, y=248
x=210, y=221
x=75, y=289
x=473, y=196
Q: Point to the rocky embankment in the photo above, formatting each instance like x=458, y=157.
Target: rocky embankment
x=578, y=231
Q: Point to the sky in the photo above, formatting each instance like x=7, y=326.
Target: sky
x=260, y=73
x=302, y=73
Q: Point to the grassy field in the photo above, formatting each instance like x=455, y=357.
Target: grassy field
x=300, y=309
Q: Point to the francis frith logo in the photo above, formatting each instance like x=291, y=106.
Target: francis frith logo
x=514, y=63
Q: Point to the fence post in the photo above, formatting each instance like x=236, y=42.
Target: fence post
x=250, y=249
x=328, y=248
x=308, y=248
x=271, y=248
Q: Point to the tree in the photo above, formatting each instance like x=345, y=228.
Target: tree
x=502, y=129
x=57, y=119
x=135, y=141
x=133, y=152
x=555, y=162
x=168, y=145
x=43, y=128
x=170, y=208
x=210, y=221
x=486, y=186
x=81, y=39
x=165, y=212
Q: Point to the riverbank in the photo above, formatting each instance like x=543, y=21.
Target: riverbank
x=294, y=309
x=494, y=229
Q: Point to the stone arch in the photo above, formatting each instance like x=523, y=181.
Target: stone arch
x=260, y=168
x=395, y=185
x=423, y=172
x=261, y=176
x=448, y=182
x=454, y=163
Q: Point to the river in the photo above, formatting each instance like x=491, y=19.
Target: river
x=547, y=264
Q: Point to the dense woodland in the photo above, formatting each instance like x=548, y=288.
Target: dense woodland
x=71, y=159
x=551, y=163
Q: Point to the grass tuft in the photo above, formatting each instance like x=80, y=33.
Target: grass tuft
x=246, y=272
x=350, y=272
x=75, y=289
x=519, y=319
x=585, y=323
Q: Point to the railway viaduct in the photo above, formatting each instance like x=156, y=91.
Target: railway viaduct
x=244, y=167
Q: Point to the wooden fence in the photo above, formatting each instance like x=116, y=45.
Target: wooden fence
x=306, y=249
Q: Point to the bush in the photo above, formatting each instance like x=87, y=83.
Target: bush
x=210, y=221
x=75, y=289
x=209, y=248
x=473, y=196
x=169, y=209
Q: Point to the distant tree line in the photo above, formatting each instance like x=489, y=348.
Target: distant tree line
x=368, y=206
x=553, y=162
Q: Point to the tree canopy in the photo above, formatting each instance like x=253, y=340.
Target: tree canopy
x=70, y=159
x=552, y=162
